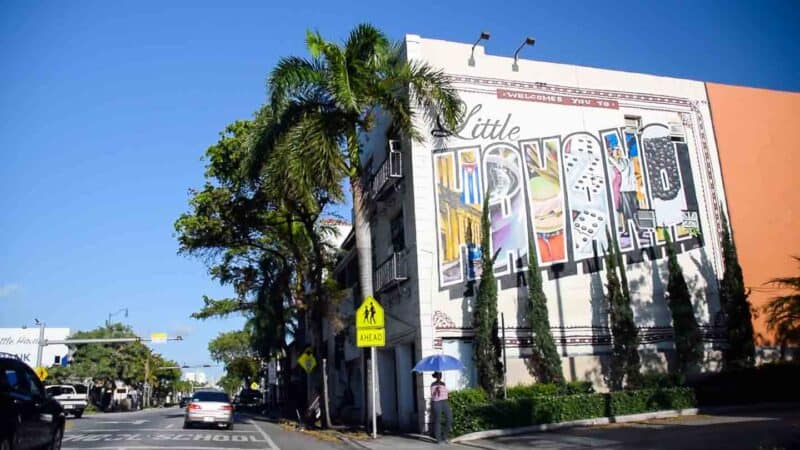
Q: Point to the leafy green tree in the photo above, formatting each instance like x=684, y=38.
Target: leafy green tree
x=484, y=316
x=625, y=362
x=545, y=357
x=321, y=104
x=741, y=350
x=783, y=312
x=688, y=340
x=230, y=345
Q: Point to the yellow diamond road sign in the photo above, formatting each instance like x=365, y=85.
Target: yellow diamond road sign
x=307, y=360
x=370, y=314
x=41, y=372
x=370, y=337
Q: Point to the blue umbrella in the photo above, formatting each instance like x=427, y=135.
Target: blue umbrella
x=438, y=363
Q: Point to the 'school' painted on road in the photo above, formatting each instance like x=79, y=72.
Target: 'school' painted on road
x=209, y=437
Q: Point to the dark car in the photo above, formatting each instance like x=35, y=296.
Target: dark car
x=250, y=400
x=185, y=401
x=28, y=417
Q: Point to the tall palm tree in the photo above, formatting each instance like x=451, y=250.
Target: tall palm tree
x=320, y=105
x=783, y=312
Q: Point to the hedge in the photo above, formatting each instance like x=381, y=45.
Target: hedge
x=538, y=389
x=775, y=382
x=473, y=412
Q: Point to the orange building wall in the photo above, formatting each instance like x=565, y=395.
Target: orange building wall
x=758, y=137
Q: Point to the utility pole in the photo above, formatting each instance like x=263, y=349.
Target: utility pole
x=146, y=394
x=41, y=344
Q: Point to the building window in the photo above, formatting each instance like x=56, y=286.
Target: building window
x=397, y=229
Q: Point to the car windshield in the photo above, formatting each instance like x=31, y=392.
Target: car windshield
x=210, y=397
x=58, y=390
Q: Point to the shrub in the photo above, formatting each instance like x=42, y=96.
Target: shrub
x=661, y=380
x=774, y=382
x=472, y=411
x=645, y=400
x=540, y=389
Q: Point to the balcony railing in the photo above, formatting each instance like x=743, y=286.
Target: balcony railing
x=389, y=172
x=392, y=271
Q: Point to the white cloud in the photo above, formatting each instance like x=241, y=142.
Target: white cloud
x=6, y=290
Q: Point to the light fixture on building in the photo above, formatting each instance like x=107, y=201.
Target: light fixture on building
x=528, y=41
x=484, y=37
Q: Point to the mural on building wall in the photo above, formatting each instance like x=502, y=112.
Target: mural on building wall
x=503, y=169
x=636, y=183
x=586, y=193
x=627, y=189
x=543, y=171
x=459, y=197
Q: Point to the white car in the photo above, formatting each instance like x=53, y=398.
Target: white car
x=69, y=399
x=209, y=408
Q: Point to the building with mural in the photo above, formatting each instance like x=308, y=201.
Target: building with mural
x=567, y=155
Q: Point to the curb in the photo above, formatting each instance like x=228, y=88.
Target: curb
x=351, y=442
x=575, y=423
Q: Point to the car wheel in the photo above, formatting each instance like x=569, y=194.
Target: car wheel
x=78, y=414
x=5, y=443
x=58, y=434
x=187, y=425
x=229, y=427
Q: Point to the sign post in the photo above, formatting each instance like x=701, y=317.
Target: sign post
x=371, y=332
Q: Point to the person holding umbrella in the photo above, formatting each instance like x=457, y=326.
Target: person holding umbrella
x=440, y=405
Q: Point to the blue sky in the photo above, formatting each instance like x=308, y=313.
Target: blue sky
x=107, y=107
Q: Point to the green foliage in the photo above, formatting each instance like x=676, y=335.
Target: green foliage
x=539, y=389
x=484, y=317
x=230, y=345
x=775, y=382
x=474, y=412
x=625, y=362
x=741, y=350
x=783, y=312
x=545, y=358
x=121, y=361
x=688, y=340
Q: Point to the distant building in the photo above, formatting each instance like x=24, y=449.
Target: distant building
x=566, y=153
x=24, y=343
x=198, y=377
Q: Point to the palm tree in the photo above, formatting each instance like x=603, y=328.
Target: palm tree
x=783, y=312
x=320, y=105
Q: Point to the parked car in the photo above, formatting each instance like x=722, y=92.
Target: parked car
x=249, y=400
x=69, y=399
x=185, y=401
x=209, y=408
x=28, y=417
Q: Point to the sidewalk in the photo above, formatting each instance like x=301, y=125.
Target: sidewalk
x=405, y=441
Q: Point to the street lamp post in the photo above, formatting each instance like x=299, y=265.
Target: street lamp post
x=108, y=322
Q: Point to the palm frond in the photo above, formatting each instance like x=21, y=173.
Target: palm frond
x=292, y=75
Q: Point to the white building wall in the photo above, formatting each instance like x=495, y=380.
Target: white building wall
x=576, y=310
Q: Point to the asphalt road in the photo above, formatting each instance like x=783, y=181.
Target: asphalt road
x=755, y=429
x=163, y=429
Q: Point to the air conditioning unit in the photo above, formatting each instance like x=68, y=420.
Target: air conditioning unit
x=394, y=145
x=676, y=131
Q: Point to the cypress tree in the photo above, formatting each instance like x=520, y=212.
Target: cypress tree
x=625, y=361
x=741, y=351
x=545, y=358
x=485, y=313
x=688, y=341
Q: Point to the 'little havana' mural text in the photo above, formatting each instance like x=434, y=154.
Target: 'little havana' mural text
x=563, y=191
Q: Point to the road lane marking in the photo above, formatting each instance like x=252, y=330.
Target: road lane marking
x=173, y=430
x=264, y=435
x=170, y=425
x=154, y=447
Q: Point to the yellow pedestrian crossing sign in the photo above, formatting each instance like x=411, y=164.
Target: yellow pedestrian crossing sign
x=370, y=314
x=307, y=360
x=41, y=372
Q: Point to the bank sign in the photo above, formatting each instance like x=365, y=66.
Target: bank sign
x=24, y=342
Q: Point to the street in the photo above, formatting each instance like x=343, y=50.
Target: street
x=163, y=429
x=754, y=429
